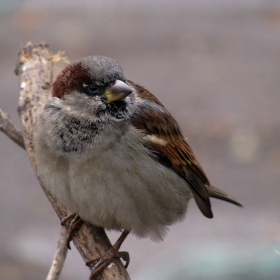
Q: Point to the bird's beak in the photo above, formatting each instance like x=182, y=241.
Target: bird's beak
x=118, y=91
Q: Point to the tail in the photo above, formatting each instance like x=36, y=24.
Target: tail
x=216, y=193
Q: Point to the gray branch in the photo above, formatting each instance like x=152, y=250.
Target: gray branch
x=8, y=128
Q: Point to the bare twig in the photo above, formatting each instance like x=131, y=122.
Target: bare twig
x=34, y=68
x=59, y=257
x=7, y=127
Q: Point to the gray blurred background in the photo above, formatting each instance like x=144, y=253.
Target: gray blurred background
x=216, y=66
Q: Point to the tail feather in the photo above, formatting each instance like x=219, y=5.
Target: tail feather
x=216, y=193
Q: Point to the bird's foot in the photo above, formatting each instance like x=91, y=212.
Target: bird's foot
x=100, y=263
x=75, y=223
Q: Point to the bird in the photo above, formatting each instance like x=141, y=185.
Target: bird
x=108, y=149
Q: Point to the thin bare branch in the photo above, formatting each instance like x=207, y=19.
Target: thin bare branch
x=59, y=257
x=7, y=127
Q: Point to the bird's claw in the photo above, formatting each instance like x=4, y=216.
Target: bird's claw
x=75, y=223
x=100, y=263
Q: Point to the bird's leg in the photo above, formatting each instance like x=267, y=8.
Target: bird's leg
x=75, y=223
x=101, y=262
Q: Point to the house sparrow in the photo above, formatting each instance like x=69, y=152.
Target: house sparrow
x=109, y=150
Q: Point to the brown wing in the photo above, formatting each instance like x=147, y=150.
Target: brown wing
x=167, y=143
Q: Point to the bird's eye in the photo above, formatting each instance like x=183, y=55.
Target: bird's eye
x=92, y=88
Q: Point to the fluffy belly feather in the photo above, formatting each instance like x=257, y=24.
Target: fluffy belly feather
x=127, y=191
x=117, y=187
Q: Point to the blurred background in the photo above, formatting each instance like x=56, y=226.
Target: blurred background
x=216, y=67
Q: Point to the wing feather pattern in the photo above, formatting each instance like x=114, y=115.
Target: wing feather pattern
x=167, y=143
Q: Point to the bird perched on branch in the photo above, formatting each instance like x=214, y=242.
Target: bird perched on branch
x=108, y=149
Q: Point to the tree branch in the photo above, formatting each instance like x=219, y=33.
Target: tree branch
x=7, y=127
x=34, y=68
x=59, y=257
